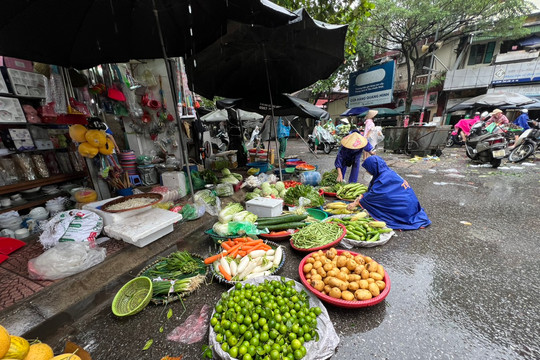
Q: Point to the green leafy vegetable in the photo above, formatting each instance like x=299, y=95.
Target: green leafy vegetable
x=329, y=178
x=227, y=213
x=294, y=193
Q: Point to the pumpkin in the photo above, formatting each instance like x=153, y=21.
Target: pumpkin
x=18, y=348
x=39, y=351
x=69, y=356
x=5, y=341
x=87, y=150
x=77, y=132
x=108, y=148
x=96, y=138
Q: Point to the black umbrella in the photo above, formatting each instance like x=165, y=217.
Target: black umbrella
x=85, y=33
x=250, y=60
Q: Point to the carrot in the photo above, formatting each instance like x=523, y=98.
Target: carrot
x=233, y=248
x=256, y=247
x=226, y=246
x=279, y=232
x=253, y=242
x=242, y=253
x=211, y=259
x=242, y=239
x=233, y=253
x=225, y=274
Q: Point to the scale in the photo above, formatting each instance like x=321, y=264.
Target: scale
x=138, y=227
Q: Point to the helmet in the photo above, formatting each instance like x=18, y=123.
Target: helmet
x=525, y=111
x=484, y=115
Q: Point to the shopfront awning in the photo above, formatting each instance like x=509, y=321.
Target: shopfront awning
x=530, y=41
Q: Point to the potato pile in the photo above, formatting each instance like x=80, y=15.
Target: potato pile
x=344, y=276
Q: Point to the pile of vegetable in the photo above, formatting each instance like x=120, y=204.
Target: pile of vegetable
x=329, y=178
x=351, y=191
x=269, y=190
x=245, y=258
x=252, y=181
x=270, y=320
x=293, y=195
x=291, y=183
x=332, y=188
x=282, y=222
x=362, y=228
x=233, y=212
x=207, y=196
x=230, y=178
x=180, y=272
x=338, y=208
x=224, y=190
x=209, y=176
x=316, y=234
x=345, y=276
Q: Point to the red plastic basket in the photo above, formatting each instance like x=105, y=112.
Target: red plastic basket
x=344, y=303
x=327, y=246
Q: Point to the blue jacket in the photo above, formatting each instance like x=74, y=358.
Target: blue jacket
x=521, y=121
x=390, y=198
x=283, y=131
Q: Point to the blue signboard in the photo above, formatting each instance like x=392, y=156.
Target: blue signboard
x=373, y=86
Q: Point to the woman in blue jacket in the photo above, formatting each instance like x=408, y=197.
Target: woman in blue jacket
x=353, y=148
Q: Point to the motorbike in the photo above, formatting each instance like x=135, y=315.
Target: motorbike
x=326, y=145
x=220, y=142
x=454, y=139
x=527, y=143
x=485, y=147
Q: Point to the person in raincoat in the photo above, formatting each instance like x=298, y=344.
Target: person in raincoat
x=284, y=129
x=390, y=198
x=353, y=148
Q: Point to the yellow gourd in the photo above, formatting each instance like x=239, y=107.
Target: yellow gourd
x=87, y=150
x=69, y=356
x=5, y=341
x=77, y=132
x=108, y=148
x=18, y=348
x=96, y=138
x=40, y=351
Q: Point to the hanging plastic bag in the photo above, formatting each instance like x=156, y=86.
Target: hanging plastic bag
x=193, y=329
x=65, y=259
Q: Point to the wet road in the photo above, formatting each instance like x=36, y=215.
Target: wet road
x=458, y=290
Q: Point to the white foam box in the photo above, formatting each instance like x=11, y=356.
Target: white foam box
x=144, y=228
x=265, y=207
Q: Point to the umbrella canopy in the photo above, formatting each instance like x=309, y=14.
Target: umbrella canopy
x=532, y=106
x=355, y=111
x=85, y=33
x=382, y=112
x=250, y=60
x=283, y=105
x=221, y=115
x=414, y=109
x=493, y=100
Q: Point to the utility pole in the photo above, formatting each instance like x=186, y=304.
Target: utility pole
x=429, y=77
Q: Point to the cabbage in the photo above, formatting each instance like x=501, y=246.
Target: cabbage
x=275, y=192
x=221, y=229
x=230, y=180
x=240, y=216
x=251, y=217
x=238, y=176
x=282, y=193
x=228, y=212
x=225, y=172
x=280, y=186
x=257, y=191
x=251, y=195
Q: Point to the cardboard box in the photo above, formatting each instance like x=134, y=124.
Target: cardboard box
x=15, y=63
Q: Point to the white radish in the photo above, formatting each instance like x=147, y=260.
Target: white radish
x=242, y=266
x=254, y=275
x=234, y=268
x=249, y=268
x=225, y=265
x=270, y=252
x=278, y=255
x=257, y=253
x=270, y=258
x=262, y=268
x=216, y=266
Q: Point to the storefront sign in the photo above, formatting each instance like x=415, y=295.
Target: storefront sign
x=516, y=73
x=527, y=90
x=374, y=86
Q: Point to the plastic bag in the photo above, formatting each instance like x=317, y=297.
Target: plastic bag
x=211, y=202
x=193, y=329
x=65, y=259
x=193, y=212
x=74, y=225
x=243, y=228
x=316, y=350
x=196, y=179
x=223, y=190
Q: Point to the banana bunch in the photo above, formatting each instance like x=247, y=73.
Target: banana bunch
x=351, y=191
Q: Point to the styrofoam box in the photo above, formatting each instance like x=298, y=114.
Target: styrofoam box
x=265, y=207
x=144, y=228
x=175, y=180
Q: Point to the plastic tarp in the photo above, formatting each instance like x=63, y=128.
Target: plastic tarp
x=355, y=111
x=221, y=115
x=316, y=350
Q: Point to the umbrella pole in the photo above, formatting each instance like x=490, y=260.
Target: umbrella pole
x=174, y=94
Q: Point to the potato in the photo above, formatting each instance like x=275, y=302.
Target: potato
x=327, y=289
x=353, y=286
x=346, y=254
x=374, y=289
x=363, y=284
x=372, y=266
x=367, y=259
x=341, y=261
x=317, y=284
x=344, y=286
x=308, y=276
x=380, y=270
x=310, y=260
x=321, y=272
x=375, y=276
x=320, y=253
x=364, y=274
x=328, y=279
x=362, y=294
x=342, y=276
x=308, y=267
x=380, y=284
x=351, y=264
x=335, y=282
x=331, y=254
x=358, y=269
x=359, y=260
x=354, y=277
x=316, y=277
x=347, y=295
x=345, y=270
x=328, y=266
x=335, y=293
x=313, y=272
x=317, y=264
x=332, y=272
x=370, y=280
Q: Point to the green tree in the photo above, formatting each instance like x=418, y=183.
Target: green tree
x=405, y=25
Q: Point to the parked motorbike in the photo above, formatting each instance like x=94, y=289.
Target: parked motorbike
x=527, y=143
x=485, y=147
x=325, y=145
x=220, y=142
x=454, y=139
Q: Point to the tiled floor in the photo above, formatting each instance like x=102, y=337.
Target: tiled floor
x=15, y=282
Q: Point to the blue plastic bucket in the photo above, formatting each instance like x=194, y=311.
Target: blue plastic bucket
x=261, y=165
x=310, y=178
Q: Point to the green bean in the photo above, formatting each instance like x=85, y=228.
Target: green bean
x=316, y=234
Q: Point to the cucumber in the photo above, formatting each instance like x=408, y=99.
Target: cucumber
x=283, y=226
x=281, y=219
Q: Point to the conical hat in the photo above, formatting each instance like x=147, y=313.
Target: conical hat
x=371, y=114
x=354, y=141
